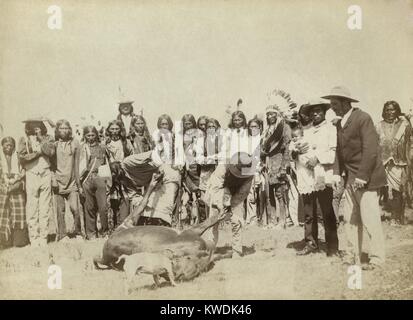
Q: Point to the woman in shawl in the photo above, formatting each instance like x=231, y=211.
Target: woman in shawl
x=274, y=149
x=395, y=134
x=13, y=226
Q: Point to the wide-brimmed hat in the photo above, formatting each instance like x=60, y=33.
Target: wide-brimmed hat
x=307, y=107
x=241, y=165
x=40, y=119
x=127, y=102
x=340, y=92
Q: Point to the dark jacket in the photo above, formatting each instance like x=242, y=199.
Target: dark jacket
x=359, y=151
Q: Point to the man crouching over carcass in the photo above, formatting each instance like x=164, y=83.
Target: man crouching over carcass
x=155, y=205
x=147, y=229
x=228, y=187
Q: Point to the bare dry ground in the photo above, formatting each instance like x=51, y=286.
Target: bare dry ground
x=271, y=270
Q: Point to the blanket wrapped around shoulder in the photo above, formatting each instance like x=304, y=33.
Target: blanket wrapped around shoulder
x=273, y=139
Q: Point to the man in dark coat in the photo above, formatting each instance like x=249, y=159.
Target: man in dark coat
x=360, y=160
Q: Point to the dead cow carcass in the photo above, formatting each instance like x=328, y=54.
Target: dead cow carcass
x=192, y=255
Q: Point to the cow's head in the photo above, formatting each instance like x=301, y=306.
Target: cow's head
x=188, y=267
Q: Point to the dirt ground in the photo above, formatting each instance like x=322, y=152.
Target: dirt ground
x=270, y=270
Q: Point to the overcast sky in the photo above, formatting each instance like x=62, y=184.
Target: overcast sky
x=197, y=57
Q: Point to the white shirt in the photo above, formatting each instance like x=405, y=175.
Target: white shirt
x=346, y=116
x=237, y=141
x=305, y=176
x=115, y=149
x=126, y=119
x=322, y=140
x=40, y=164
x=164, y=146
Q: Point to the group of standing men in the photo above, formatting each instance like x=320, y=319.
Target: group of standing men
x=359, y=162
x=324, y=155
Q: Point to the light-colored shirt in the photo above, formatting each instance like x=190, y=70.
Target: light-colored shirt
x=322, y=140
x=161, y=202
x=236, y=141
x=65, y=174
x=220, y=191
x=305, y=176
x=213, y=148
x=126, y=119
x=192, y=146
x=32, y=162
x=346, y=116
x=116, y=151
x=164, y=145
x=139, y=169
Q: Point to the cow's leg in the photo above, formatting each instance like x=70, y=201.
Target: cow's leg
x=156, y=279
x=130, y=272
x=170, y=275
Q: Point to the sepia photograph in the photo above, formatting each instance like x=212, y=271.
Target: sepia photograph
x=206, y=150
